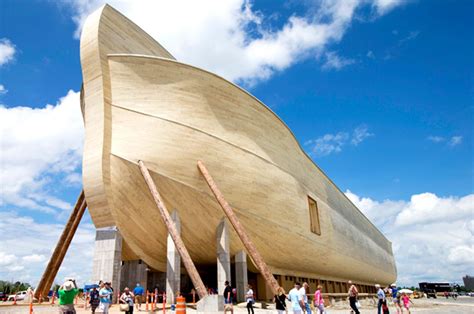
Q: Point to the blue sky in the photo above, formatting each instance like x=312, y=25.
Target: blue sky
x=384, y=106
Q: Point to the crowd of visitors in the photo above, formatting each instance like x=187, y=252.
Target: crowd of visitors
x=297, y=299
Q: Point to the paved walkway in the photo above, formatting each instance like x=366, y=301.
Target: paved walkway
x=463, y=305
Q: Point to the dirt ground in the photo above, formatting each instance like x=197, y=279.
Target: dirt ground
x=460, y=306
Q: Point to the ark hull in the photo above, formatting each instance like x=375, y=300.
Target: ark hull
x=140, y=104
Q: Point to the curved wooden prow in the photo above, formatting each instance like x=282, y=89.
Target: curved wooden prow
x=62, y=246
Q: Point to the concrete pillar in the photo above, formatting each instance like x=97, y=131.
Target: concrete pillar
x=133, y=272
x=108, y=257
x=223, y=255
x=173, y=269
x=241, y=279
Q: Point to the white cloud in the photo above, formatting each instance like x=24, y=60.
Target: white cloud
x=7, y=51
x=231, y=38
x=335, y=62
x=384, y=6
x=6, y=259
x=34, y=258
x=455, y=140
x=432, y=236
x=360, y=134
x=436, y=139
x=37, y=145
x=27, y=244
x=370, y=54
x=3, y=90
x=334, y=143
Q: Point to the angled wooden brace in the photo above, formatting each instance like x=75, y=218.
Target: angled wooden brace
x=251, y=249
x=183, y=252
x=62, y=246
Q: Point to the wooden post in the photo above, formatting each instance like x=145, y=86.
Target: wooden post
x=251, y=249
x=183, y=252
x=62, y=246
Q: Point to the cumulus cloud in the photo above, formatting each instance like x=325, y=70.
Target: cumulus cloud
x=7, y=51
x=234, y=40
x=24, y=254
x=334, y=143
x=432, y=236
x=37, y=146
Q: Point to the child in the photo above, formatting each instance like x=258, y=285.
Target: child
x=406, y=302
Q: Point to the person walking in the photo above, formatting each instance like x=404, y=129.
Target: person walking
x=228, y=304
x=406, y=302
x=94, y=299
x=138, y=291
x=296, y=299
x=396, y=299
x=318, y=299
x=353, y=294
x=304, y=290
x=280, y=301
x=127, y=298
x=250, y=299
x=104, y=296
x=67, y=292
x=380, y=297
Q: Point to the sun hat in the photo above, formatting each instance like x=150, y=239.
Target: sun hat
x=68, y=285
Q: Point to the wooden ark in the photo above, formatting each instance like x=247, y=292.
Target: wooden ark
x=139, y=103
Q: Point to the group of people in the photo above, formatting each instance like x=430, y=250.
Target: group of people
x=400, y=299
x=100, y=298
x=300, y=303
x=229, y=298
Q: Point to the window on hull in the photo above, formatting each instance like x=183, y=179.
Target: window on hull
x=314, y=216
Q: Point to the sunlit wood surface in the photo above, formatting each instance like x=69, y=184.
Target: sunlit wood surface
x=141, y=104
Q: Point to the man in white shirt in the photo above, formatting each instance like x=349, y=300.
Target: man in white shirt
x=381, y=297
x=296, y=299
x=304, y=290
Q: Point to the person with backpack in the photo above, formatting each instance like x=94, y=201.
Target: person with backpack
x=228, y=304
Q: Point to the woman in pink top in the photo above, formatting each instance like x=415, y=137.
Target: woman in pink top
x=318, y=300
x=406, y=302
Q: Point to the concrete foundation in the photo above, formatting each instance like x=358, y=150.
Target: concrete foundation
x=223, y=256
x=241, y=279
x=212, y=304
x=173, y=269
x=133, y=272
x=107, y=257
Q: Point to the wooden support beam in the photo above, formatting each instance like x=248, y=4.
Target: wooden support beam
x=183, y=252
x=62, y=246
x=251, y=249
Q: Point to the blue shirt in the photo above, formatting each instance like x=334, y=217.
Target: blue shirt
x=104, y=295
x=394, y=293
x=381, y=294
x=138, y=290
x=295, y=298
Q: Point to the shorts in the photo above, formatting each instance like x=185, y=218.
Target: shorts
x=407, y=305
x=228, y=306
x=138, y=299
